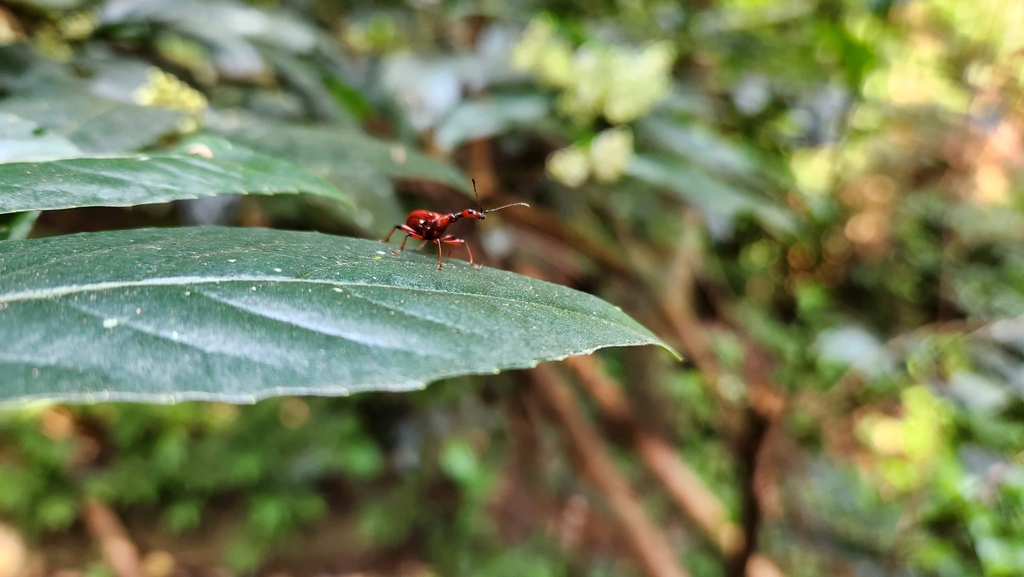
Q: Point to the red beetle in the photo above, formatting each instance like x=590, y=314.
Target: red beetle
x=429, y=226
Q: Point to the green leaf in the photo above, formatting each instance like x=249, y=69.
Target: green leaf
x=94, y=124
x=21, y=139
x=711, y=195
x=198, y=167
x=307, y=79
x=165, y=315
x=339, y=149
x=23, y=70
x=473, y=119
x=698, y=145
x=24, y=140
x=221, y=22
x=335, y=155
x=55, y=96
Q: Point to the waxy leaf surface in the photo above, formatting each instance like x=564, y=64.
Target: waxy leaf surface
x=236, y=315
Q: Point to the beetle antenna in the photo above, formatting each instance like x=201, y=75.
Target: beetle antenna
x=506, y=206
x=481, y=204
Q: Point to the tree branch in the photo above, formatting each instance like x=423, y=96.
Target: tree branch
x=107, y=531
x=647, y=541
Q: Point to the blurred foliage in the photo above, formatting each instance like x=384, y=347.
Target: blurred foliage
x=839, y=181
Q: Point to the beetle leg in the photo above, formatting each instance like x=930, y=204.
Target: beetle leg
x=440, y=260
x=408, y=232
x=400, y=248
x=451, y=240
x=388, y=237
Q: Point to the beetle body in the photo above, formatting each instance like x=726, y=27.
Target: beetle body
x=430, y=226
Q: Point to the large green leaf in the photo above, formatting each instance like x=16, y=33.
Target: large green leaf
x=54, y=96
x=236, y=315
x=23, y=140
x=23, y=70
x=355, y=162
x=94, y=124
x=199, y=167
x=346, y=149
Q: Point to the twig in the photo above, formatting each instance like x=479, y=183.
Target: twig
x=106, y=529
x=13, y=555
x=761, y=566
x=747, y=431
x=677, y=305
x=683, y=484
x=647, y=541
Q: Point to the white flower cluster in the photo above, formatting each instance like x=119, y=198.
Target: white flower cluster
x=595, y=80
x=615, y=82
x=168, y=91
x=606, y=158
